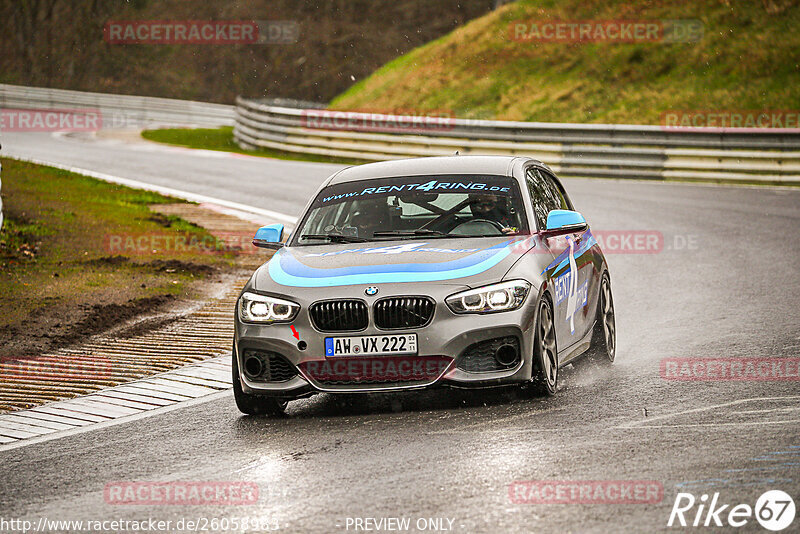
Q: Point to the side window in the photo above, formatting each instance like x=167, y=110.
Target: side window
x=536, y=189
x=557, y=192
x=552, y=197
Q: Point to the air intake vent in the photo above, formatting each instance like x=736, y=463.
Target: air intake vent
x=498, y=354
x=267, y=366
x=339, y=315
x=403, y=312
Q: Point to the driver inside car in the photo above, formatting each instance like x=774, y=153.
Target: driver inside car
x=370, y=216
x=491, y=208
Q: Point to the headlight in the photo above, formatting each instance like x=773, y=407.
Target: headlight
x=255, y=308
x=494, y=298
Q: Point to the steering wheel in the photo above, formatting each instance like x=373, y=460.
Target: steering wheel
x=478, y=227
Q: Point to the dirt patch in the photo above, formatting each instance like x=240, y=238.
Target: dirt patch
x=178, y=266
x=159, y=266
x=146, y=325
x=19, y=241
x=63, y=325
x=160, y=219
x=101, y=317
x=109, y=260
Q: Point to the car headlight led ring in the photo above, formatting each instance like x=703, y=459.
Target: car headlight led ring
x=504, y=296
x=255, y=308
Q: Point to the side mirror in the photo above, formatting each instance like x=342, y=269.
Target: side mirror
x=269, y=237
x=564, y=222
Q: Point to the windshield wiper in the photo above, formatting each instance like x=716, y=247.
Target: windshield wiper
x=402, y=233
x=335, y=238
x=513, y=234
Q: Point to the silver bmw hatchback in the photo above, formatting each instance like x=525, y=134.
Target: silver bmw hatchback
x=462, y=271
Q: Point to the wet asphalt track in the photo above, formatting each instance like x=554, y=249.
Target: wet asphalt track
x=729, y=289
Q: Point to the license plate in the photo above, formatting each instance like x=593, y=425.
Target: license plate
x=371, y=345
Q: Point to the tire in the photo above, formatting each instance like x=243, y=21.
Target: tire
x=604, y=337
x=254, y=404
x=545, y=352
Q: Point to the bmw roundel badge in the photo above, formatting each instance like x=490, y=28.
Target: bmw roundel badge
x=371, y=290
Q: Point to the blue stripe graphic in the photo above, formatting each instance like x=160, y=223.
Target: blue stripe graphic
x=288, y=271
x=563, y=259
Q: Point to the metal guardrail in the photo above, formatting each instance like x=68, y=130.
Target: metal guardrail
x=119, y=110
x=605, y=150
x=115, y=111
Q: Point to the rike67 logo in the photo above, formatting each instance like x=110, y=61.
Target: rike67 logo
x=774, y=510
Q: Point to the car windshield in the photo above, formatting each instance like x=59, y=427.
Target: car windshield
x=414, y=207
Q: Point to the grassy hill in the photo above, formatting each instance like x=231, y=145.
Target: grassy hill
x=747, y=59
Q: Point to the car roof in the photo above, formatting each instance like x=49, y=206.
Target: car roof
x=496, y=165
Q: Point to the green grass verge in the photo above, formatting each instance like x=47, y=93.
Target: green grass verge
x=58, y=261
x=222, y=139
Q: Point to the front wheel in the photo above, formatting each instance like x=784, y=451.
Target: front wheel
x=254, y=404
x=545, y=351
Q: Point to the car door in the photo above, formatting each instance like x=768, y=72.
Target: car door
x=581, y=263
x=567, y=273
x=555, y=247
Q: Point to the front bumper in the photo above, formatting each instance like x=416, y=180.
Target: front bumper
x=445, y=338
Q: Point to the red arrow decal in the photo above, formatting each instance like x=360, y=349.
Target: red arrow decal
x=295, y=333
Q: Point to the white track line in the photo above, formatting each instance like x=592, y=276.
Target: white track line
x=648, y=423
